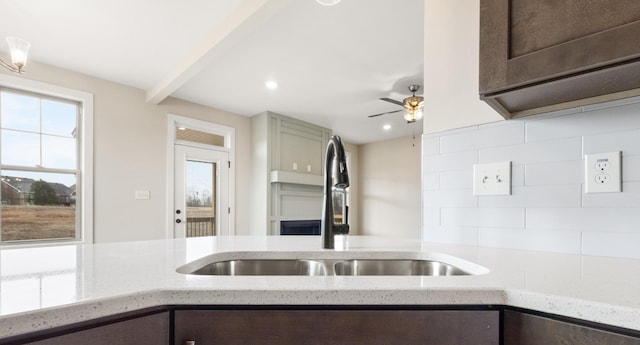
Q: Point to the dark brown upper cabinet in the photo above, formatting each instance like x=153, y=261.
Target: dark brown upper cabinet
x=545, y=55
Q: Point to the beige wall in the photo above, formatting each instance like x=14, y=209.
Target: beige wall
x=130, y=154
x=451, y=49
x=390, y=188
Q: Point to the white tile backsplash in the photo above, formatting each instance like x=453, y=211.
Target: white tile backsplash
x=546, y=240
x=622, y=245
x=511, y=133
x=430, y=146
x=460, y=179
x=630, y=197
x=546, y=151
x=625, y=141
x=584, y=219
x=554, y=173
x=450, y=198
x=630, y=168
x=450, y=161
x=483, y=217
x=547, y=209
x=458, y=235
x=536, y=196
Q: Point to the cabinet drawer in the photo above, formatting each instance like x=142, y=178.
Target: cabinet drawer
x=425, y=327
x=525, y=329
x=146, y=330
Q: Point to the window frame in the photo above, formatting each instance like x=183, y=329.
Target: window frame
x=84, y=151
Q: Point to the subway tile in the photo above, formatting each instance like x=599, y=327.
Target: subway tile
x=460, y=130
x=566, y=149
x=587, y=123
x=626, y=141
x=536, y=196
x=430, y=146
x=502, y=135
x=517, y=175
x=450, y=161
x=629, y=197
x=557, y=113
x=611, y=104
x=545, y=240
x=461, y=179
x=431, y=181
x=615, y=244
x=630, y=168
x=584, y=219
x=450, y=198
x=457, y=235
x=554, y=173
x=483, y=217
x=431, y=216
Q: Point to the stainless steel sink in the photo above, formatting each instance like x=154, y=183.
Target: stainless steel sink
x=396, y=268
x=331, y=264
x=264, y=268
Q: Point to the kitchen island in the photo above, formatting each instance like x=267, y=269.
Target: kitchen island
x=50, y=287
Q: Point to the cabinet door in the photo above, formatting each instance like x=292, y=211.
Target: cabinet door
x=146, y=330
x=539, y=54
x=525, y=329
x=283, y=327
x=301, y=151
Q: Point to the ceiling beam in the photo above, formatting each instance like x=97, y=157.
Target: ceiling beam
x=246, y=18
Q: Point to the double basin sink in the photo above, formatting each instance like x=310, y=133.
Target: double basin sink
x=327, y=264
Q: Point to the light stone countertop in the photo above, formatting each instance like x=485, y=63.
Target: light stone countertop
x=46, y=287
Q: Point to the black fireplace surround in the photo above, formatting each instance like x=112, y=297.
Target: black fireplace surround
x=300, y=227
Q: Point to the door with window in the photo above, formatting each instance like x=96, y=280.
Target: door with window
x=201, y=206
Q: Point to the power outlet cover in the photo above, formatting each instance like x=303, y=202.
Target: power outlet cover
x=492, y=178
x=602, y=173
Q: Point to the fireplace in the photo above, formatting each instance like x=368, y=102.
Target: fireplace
x=300, y=227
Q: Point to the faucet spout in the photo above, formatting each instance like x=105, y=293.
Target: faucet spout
x=336, y=178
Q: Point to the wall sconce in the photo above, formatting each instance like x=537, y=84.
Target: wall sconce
x=18, y=49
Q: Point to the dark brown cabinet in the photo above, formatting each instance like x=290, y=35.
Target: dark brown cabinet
x=540, y=56
x=526, y=329
x=143, y=330
x=282, y=327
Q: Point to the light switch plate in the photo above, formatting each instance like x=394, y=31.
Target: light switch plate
x=602, y=173
x=492, y=178
x=142, y=195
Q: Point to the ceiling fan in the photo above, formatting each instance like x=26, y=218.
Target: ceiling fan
x=412, y=105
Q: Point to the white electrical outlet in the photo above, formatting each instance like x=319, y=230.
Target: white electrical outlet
x=492, y=179
x=602, y=173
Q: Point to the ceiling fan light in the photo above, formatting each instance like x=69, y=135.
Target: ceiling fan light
x=413, y=115
x=19, y=50
x=413, y=102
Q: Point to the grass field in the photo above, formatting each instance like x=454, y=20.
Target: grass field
x=37, y=222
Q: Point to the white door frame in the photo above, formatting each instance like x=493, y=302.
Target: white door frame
x=229, y=135
x=184, y=154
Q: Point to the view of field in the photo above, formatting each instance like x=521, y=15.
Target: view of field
x=37, y=222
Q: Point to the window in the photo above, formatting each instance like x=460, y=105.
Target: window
x=43, y=171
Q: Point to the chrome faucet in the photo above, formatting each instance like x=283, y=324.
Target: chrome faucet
x=336, y=178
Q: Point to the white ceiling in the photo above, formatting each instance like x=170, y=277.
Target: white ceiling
x=332, y=63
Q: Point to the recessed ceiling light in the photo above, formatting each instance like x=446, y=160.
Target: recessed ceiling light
x=328, y=2
x=386, y=127
x=271, y=84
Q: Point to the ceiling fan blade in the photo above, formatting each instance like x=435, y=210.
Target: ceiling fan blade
x=392, y=101
x=389, y=112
